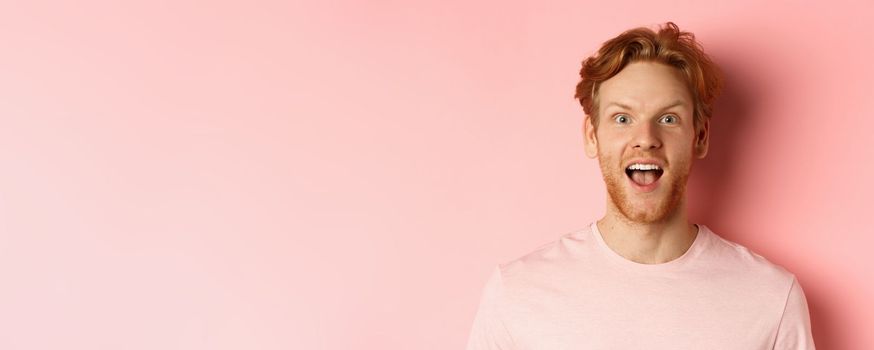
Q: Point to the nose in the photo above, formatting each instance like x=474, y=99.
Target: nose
x=646, y=137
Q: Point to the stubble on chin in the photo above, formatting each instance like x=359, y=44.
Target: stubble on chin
x=634, y=212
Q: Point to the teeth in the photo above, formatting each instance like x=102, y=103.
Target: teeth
x=639, y=166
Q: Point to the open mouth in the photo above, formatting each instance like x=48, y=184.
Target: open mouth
x=643, y=175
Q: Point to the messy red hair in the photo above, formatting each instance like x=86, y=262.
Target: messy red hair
x=669, y=46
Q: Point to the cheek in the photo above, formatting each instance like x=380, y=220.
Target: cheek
x=610, y=152
x=610, y=144
x=681, y=158
x=682, y=146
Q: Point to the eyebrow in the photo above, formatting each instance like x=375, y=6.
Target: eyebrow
x=622, y=105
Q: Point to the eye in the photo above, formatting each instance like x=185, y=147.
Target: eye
x=670, y=119
x=621, y=118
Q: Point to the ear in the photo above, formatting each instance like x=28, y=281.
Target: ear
x=702, y=139
x=590, y=138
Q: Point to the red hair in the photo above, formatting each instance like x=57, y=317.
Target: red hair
x=669, y=46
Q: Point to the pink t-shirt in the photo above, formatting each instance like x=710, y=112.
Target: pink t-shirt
x=577, y=293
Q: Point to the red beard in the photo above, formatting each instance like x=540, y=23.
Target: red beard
x=632, y=208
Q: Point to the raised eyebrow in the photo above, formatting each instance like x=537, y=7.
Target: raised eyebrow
x=672, y=105
x=627, y=107
x=621, y=105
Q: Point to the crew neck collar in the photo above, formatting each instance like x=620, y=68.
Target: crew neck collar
x=688, y=255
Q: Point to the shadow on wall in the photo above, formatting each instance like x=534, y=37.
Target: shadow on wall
x=715, y=177
x=711, y=181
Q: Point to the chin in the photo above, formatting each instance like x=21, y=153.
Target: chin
x=641, y=216
x=652, y=207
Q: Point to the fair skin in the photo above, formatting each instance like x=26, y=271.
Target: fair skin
x=646, y=116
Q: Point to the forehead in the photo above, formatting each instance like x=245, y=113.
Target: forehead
x=645, y=86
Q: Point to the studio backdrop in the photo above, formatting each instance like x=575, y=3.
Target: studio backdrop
x=345, y=174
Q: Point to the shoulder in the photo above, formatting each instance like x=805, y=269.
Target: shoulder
x=730, y=258
x=547, y=261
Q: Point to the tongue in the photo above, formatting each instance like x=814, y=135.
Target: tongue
x=643, y=177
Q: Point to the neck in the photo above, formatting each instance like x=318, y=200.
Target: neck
x=648, y=242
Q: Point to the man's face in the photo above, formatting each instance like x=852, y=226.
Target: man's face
x=646, y=118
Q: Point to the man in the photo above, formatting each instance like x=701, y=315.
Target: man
x=643, y=276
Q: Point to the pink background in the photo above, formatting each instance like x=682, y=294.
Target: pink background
x=345, y=174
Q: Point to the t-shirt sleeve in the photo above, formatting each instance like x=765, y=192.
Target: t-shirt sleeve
x=489, y=332
x=794, y=331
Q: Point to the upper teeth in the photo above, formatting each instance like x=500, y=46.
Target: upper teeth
x=638, y=166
